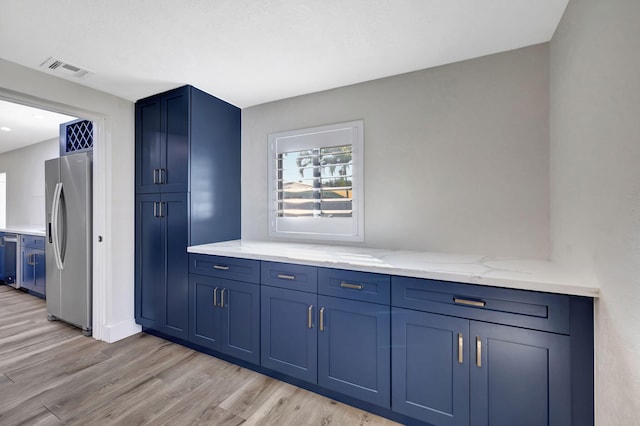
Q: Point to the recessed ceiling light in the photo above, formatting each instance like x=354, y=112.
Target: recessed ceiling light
x=5, y=129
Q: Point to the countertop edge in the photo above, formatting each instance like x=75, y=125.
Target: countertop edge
x=530, y=283
x=24, y=230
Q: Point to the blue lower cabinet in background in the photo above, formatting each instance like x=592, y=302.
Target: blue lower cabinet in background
x=33, y=265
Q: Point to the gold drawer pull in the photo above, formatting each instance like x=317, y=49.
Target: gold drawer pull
x=353, y=286
x=478, y=303
x=221, y=268
x=286, y=277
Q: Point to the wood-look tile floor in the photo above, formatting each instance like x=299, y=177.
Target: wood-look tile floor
x=51, y=374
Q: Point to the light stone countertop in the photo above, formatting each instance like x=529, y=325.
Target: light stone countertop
x=25, y=230
x=536, y=275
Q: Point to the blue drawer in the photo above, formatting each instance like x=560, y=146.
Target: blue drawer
x=364, y=286
x=32, y=241
x=520, y=308
x=230, y=268
x=286, y=275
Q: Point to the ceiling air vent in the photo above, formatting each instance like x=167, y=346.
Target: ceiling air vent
x=65, y=68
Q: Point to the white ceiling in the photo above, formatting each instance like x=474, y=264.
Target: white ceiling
x=250, y=52
x=27, y=125
x=254, y=51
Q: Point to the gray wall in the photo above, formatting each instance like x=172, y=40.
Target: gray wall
x=595, y=181
x=456, y=157
x=25, y=182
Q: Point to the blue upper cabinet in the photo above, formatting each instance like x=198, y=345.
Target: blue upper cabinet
x=162, y=149
x=189, y=141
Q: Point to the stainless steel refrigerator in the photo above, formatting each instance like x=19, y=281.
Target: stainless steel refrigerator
x=68, y=185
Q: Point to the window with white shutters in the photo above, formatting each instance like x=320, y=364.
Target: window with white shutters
x=316, y=182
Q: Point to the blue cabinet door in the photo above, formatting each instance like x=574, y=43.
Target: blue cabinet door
x=288, y=332
x=27, y=270
x=174, y=154
x=162, y=281
x=150, y=262
x=204, y=299
x=39, y=272
x=240, y=307
x=225, y=316
x=175, y=217
x=519, y=377
x=162, y=142
x=148, y=145
x=354, y=355
x=2, y=253
x=430, y=365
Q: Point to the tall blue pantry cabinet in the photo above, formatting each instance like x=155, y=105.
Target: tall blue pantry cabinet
x=187, y=193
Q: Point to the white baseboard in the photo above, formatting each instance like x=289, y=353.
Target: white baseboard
x=114, y=332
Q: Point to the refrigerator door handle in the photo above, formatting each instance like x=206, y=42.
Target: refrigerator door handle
x=55, y=210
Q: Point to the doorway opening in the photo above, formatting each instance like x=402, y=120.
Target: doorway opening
x=99, y=298
x=3, y=200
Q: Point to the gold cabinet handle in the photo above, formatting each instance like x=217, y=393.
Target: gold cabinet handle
x=309, y=315
x=286, y=277
x=321, y=319
x=478, y=352
x=222, y=297
x=477, y=303
x=221, y=267
x=215, y=296
x=353, y=286
x=460, y=348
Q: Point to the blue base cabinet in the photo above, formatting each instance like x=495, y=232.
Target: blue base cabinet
x=430, y=367
x=354, y=356
x=289, y=332
x=225, y=316
x=33, y=264
x=469, y=355
x=418, y=351
x=451, y=371
x=519, y=376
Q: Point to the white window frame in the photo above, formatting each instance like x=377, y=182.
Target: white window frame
x=319, y=228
